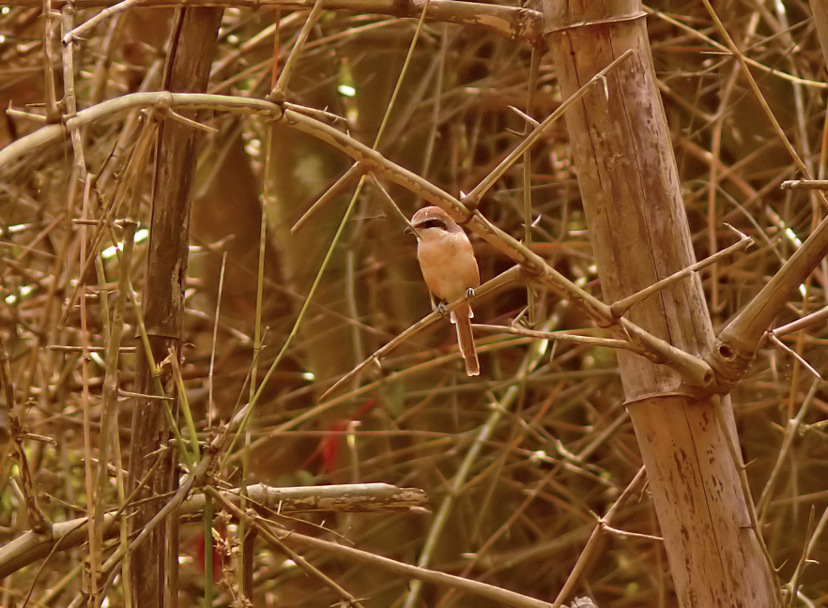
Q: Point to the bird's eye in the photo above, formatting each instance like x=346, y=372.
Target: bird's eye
x=433, y=223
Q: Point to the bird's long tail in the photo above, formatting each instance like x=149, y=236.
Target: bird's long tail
x=465, y=339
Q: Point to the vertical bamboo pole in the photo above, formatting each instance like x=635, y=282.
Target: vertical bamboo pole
x=630, y=188
x=154, y=564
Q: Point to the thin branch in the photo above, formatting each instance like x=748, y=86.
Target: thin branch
x=472, y=199
x=622, y=306
x=559, y=337
x=501, y=280
x=696, y=372
x=804, y=184
x=347, y=498
x=517, y=23
x=264, y=531
x=634, y=486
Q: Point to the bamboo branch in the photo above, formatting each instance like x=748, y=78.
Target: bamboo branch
x=517, y=23
x=345, y=498
x=695, y=371
x=739, y=340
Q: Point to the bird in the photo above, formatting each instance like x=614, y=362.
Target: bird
x=450, y=271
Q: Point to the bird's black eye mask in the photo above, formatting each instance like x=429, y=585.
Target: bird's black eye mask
x=432, y=223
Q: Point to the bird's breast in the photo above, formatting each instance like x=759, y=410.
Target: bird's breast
x=448, y=265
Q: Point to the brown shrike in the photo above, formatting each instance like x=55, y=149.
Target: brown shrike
x=450, y=271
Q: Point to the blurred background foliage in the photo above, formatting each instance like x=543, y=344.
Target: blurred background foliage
x=561, y=449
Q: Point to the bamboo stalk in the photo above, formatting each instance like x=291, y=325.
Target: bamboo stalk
x=154, y=563
x=630, y=188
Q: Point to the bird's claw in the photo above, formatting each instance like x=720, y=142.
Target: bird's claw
x=470, y=293
x=442, y=309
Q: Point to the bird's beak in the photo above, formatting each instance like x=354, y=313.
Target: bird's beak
x=408, y=230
